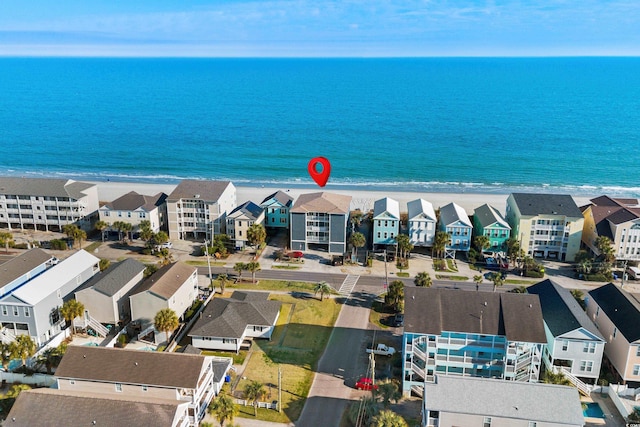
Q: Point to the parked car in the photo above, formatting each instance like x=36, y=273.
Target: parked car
x=167, y=245
x=398, y=320
x=383, y=350
x=365, y=383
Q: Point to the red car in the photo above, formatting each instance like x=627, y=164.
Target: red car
x=295, y=254
x=365, y=383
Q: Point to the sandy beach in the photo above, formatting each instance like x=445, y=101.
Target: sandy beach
x=362, y=199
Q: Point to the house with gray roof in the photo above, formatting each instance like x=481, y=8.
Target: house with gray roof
x=546, y=225
x=470, y=334
x=198, y=208
x=136, y=374
x=386, y=221
x=455, y=221
x=464, y=401
x=241, y=219
x=46, y=406
x=133, y=208
x=106, y=295
x=226, y=322
x=47, y=204
x=487, y=221
x=22, y=268
x=574, y=344
x=33, y=308
x=320, y=219
x=422, y=222
x=616, y=314
x=276, y=208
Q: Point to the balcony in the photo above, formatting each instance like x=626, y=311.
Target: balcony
x=313, y=228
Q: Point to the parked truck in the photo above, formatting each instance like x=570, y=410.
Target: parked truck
x=383, y=350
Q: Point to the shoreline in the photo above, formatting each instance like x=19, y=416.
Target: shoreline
x=362, y=199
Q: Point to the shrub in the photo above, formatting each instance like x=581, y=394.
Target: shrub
x=534, y=274
x=596, y=277
x=59, y=245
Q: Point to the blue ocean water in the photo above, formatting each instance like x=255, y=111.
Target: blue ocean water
x=425, y=124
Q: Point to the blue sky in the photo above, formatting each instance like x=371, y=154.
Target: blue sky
x=319, y=28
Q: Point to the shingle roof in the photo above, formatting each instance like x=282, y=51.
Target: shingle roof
x=51, y=407
x=281, y=197
x=229, y=317
x=622, y=308
x=451, y=213
x=43, y=187
x=110, y=281
x=560, y=310
x=132, y=201
x=249, y=209
x=488, y=215
x=166, y=281
x=322, y=202
x=532, y=204
x=434, y=310
x=420, y=206
x=199, y=189
x=131, y=366
x=547, y=403
x=388, y=205
x=22, y=264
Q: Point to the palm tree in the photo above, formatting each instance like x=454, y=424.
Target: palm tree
x=16, y=389
x=513, y=249
x=253, y=392
x=551, y=378
x=482, y=242
x=497, y=280
x=404, y=245
x=144, y=228
x=253, y=267
x=395, y=295
x=322, y=288
x=387, y=418
x=73, y=232
x=256, y=235
x=160, y=238
x=423, y=279
x=70, y=310
x=51, y=357
x=23, y=347
x=388, y=390
x=127, y=228
x=363, y=412
x=478, y=280
x=117, y=225
x=6, y=239
x=5, y=355
x=101, y=226
x=440, y=241
x=104, y=264
x=605, y=247
x=166, y=320
x=239, y=267
x=223, y=279
x=223, y=408
x=358, y=240
x=356, y=219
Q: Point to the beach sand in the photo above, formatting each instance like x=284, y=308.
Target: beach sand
x=362, y=199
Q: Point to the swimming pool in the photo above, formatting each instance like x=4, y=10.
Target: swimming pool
x=91, y=344
x=593, y=410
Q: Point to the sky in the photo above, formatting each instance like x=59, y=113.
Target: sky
x=319, y=28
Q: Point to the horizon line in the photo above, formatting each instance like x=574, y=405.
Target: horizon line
x=320, y=57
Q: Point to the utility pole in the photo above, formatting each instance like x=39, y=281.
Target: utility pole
x=624, y=273
x=373, y=370
x=279, y=389
x=386, y=277
x=206, y=251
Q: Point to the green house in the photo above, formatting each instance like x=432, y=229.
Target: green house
x=487, y=221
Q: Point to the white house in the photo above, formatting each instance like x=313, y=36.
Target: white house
x=134, y=208
x=422, y=222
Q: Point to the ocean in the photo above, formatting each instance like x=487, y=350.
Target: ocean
x=497, y=125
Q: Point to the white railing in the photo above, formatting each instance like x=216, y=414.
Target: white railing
x=266, y=405
x=146, y=332
x=575, y=381
x=6, y=336
x=88, y=321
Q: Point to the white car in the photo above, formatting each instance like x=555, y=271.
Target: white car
x=167, y=245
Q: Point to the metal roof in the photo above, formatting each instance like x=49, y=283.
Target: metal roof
x=420, y=206
x=387, y=204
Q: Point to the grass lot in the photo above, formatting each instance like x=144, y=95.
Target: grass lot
x=301, y=334
x=204, y=263
x=402, y=274
x=92, y=247
x=451, y=265
x=449, y=277
x=238, y=359
x=273, y=285
x=377, y=313
x=518, y=282
x=286, y=267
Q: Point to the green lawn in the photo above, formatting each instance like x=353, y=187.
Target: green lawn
x=238, y=359
x=92, y=247
x=273, y=285
x=518, y=282
x=377, y=313
x=402, y=274
x=450, y=277
x=204, y=263
x=285, y=267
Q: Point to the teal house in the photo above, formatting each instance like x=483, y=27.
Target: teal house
x=454, y=220
x=276, y=208
x=487, y=221
x=386, y=221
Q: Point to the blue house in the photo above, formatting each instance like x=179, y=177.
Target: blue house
x=386, y=221
x=455, y=221
x=487, y=221
x=276, y=208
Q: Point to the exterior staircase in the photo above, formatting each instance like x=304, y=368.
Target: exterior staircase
x=6, y=336
x=89, y=322
x=582, y=387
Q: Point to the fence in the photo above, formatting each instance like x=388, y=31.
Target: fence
x=40, y=380
x=266, y=405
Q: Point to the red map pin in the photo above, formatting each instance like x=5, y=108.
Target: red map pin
x=320, y=177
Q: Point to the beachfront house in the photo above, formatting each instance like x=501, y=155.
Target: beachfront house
x=455, y=221
x=470, y=334
x=226, y=323
x=616, y=313
x=106, y=295
x=276, y=208
x=574, y=344
x=487, y=221
x=198, y=209
x=463, y=401
x=47, y=204
x=240, y=220
x=320, y=219
x=133, y=208
x=617, y=219
x=546, y=225
x=134, y=374
x=422, y=222
x=33, y=308
x=386, y=221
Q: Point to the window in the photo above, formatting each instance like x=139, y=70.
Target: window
x=565, y=345
x=27, y=312
x=378, y=234
x=4, y=310
x=145, y=388
x=119, y=214
x=589, y=347
x=615, y=332
x=385, y=234
x=273, y=219
x=15, y=310
x=128, y=214
x=636, y=370
x=597, y=311
x=486, y=422
x=239, y=223
x=586, y=366
x=638, y=351
x=72, y=382
x=118, y=387
x=532, y=424
x=258, y=328
x=240, y=233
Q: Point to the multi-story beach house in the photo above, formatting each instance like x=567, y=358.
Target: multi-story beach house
x=24, y=267
x=198, y=209
x=47, y=204
x=617, y=219
x=386, y=221
x=471, y=334
x=574, y=344
x=458, y=401
x=320, y=219
x=422, y=222
x=455, y=221
x=487, y=221
x=616, y=313
x=546, y=225
x=134, y=374
x=276, y=208
x=239, y=221
x=33, y=307
x=134, y=208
